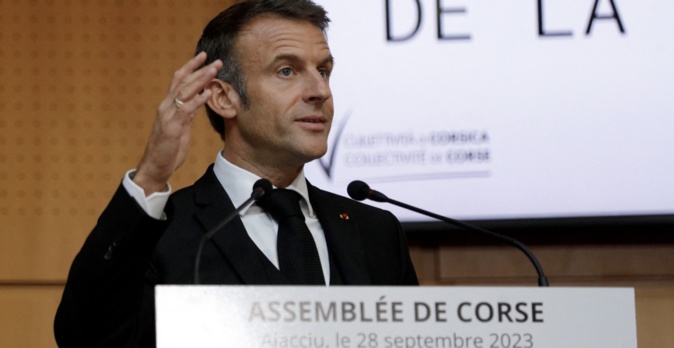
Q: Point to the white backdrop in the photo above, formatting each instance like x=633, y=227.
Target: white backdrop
x=507, y=122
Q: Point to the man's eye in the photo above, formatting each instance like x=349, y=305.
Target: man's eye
x=324, y=73
x=286, y=72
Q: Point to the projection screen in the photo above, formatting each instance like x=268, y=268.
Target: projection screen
x=509, y=109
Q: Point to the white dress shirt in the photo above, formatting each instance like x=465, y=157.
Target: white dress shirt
x=261, y=227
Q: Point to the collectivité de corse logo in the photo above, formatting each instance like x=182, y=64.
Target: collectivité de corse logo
x=408, y=155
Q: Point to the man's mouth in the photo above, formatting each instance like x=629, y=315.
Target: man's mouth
x=313, y=119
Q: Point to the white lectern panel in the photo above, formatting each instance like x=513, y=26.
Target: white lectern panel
x=394, y=317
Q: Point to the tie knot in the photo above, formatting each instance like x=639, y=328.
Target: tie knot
x=281, y=204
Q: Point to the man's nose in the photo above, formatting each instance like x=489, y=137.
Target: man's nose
x=317, y=88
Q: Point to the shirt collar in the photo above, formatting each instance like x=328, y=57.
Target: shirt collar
x=238, y=183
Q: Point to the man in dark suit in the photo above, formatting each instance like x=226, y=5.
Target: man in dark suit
x=263, y=74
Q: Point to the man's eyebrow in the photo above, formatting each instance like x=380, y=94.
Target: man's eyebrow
x=289, y=57
x=329, y=60
x=286, y=57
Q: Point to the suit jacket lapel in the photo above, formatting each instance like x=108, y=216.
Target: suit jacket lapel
x=342, y=236
x=232, y=240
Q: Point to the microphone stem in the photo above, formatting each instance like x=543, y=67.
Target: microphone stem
x=542, y=279
x=208, y=235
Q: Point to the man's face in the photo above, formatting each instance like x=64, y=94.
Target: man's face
x=287, y=65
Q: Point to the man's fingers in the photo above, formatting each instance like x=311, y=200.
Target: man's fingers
x=187, y=69
x=191, y=106
x=194, y=83
x=186, y=87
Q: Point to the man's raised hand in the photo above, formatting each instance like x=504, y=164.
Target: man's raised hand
x=168, y=145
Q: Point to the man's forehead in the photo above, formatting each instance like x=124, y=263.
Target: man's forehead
x=267, y=38
x=269, y=29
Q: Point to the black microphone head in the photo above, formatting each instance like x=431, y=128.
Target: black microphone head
x=358, y=190
x=261, y=188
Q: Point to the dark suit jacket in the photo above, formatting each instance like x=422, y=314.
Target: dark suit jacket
x=109, y=298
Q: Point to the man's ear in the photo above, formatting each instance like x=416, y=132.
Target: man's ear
x=224, y=99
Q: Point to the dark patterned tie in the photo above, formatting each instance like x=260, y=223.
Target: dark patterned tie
x=297, y=253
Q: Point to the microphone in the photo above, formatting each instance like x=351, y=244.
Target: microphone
x=261, y=188
x=359, y=191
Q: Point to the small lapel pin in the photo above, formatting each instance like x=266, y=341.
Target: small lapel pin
x=344, y=216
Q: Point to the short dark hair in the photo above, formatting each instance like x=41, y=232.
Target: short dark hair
x=219, y=39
